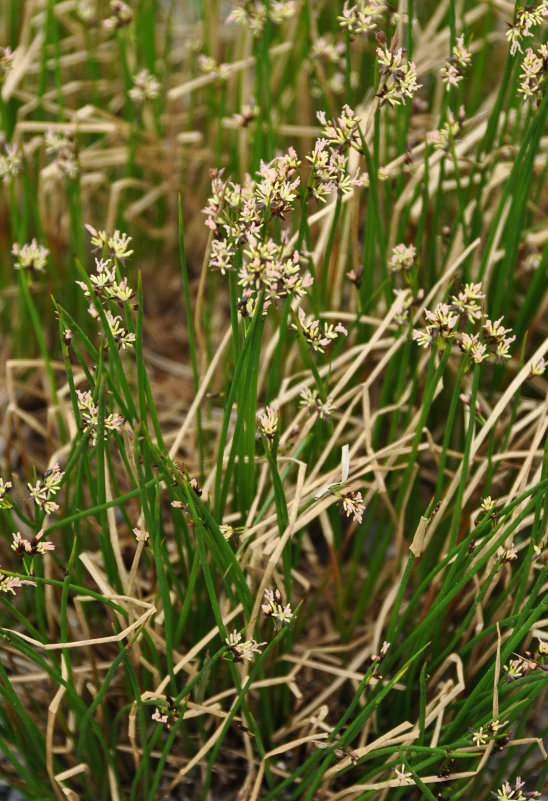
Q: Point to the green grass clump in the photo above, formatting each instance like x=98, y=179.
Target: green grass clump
x=273, y=462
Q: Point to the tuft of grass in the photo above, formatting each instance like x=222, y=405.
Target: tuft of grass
x=273, y=466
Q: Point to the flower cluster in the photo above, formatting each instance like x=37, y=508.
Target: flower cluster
x=11, y=583
x=32, y=547
x=209, y=66
x=248, y=113
x=538, y=368
x=6, y=59
x=11, y=161
x=515, y=793
x=123, y=339
x=268, y=422
x=316, y=335
x=453, y=70
x=408, y=301
x=382, y=653
x=441, y=138
x=333, y=54
x=232, y=209
x=121, y=15
x=5, y=503
x=165, y=711
x=440, y=327
x=494, y=334
x=363, y=17
x=398, y=77
x=533, y=74
x=242, y=650
x=85, y=10
x=518, y=667
x=329, y=169
x=277, y=184
x=30, y=257
x=507, y=554
x=343, y=131
x=63, y=147
x=141, y=534
x=403, y=258
x=266, y=268
x=90, y=417
x=274, y=608
x=105, y=285
x=525, y=19
x=488, y=509
x=488, y=342
x=351, y=504
x=254, y=14
x=115, y=245
x=232, y=533
x=483, y=734
x=403, y=776
x=237, y=215
x=466, y=303
x=329, y=158
x=326, y=47
x=310, y=399
x=45, y=489
x=145, y=87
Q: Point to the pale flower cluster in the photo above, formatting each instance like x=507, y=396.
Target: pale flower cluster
x=310, y=399
x=32, y=547
x=398, y=76
x=46, y=488
x=363, y=17
x=89, y=412
x=6, y=59
x=407, y=301
x=85, y=10
x=489, y=341
x=342, y=131
x=515, y=793
x=63, y=147
x=121, y=15
x=5, y=502
x=238, y=214
x=11, y=160
x=441, y=138
x=115, y=245
x=145, y=87
x=533, y=74
x=274, y=607
x=254, y=14
x=317, y=335
x=403, y=258
x=351, y=504
x=242, y=650
x=12, y=583
x=123, y=339
x=266, y=268
x=452, y=71
x=248, y=113
x=524, y=20
x=329, y=171
x=30, y=257
x=268, y=422
x=105, y=285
